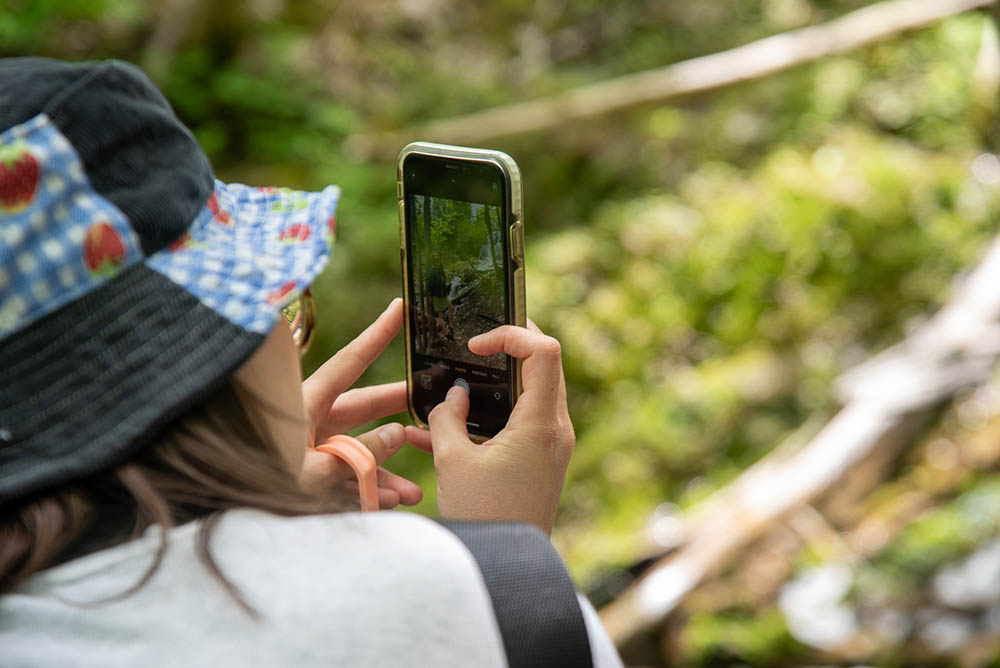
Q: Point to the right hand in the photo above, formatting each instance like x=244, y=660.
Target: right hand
x=518, y=474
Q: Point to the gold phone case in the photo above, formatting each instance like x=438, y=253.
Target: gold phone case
x=515, y=229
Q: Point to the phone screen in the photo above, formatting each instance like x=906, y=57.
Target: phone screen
x=458, y=270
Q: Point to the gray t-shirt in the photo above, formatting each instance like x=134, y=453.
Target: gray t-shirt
x=379, y=589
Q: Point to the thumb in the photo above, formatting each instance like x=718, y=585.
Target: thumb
x=447, y=421
x=384, y=441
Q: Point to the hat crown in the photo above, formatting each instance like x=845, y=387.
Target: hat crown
x=135, y=152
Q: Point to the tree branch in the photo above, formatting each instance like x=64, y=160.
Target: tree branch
x=750, y=61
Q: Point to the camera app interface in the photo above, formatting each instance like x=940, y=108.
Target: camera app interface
x=457, y=271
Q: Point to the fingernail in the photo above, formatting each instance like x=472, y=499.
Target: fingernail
x=393, y=303
x=455, y=392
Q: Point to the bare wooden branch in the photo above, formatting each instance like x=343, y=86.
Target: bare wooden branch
x=956, y=349
x=750, y=61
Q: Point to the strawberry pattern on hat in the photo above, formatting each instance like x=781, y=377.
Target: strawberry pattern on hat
x=218, y=215
x=103, y=249
x=183, y=241
x=19, y=176
x=248, y=252
x=278, y=296
x=272, y=245
x=295, y=233
x=59, y=239
x=289, y=200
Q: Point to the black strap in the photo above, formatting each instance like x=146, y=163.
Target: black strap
x=533, y=597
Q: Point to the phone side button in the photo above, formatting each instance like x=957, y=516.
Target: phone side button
x=402, y=218
x=517, y=243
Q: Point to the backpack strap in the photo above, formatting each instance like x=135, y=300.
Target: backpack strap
x=533, y=597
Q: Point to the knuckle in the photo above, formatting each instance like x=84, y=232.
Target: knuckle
x=553, y=435
x=368, y=400
x=550, y=434
x=386, y=332
x=550, y=346
x=435, y=413
x=568, y=435
x=443, y=457
x=559, y=434
x=368, y=440
x=348, y=356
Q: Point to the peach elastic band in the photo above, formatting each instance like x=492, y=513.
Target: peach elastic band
x=359, y=458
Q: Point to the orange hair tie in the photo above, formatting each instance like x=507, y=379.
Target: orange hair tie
x=359, y=458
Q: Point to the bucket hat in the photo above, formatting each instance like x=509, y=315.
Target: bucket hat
x=132, y=282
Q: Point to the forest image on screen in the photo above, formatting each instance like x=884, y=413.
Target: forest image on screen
x=458, y=278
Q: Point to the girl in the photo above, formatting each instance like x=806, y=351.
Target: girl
x=161, y=501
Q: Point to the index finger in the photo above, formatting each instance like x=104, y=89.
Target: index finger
x=341, y=371
x=541, y=357
x=522, y=344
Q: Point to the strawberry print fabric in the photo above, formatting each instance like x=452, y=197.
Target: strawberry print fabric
x=252, y=250
x=248, y=252
x=58, y=238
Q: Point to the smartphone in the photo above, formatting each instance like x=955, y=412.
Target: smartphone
x=462, y=251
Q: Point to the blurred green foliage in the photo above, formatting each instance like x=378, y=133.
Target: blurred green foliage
x=702, y=327
x=709, y=264
x=760, y=639
x=936, y=537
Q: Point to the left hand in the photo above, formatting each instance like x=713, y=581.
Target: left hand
x=333, y=409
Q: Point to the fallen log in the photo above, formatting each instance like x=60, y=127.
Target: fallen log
x=882, y=399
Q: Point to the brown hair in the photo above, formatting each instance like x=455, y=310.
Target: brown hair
x=217, y=457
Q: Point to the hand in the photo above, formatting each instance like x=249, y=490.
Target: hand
x=518, y=474
x=334, y=409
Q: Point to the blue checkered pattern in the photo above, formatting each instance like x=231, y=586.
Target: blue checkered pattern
x=248, y=252
x=252, y=250
x=66, y=241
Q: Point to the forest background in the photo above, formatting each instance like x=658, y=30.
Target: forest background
x=711, y=264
